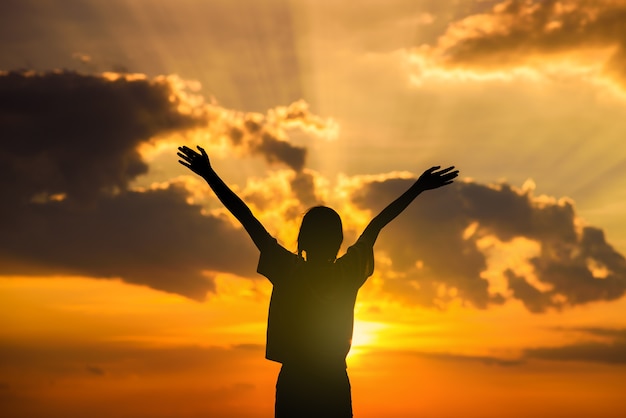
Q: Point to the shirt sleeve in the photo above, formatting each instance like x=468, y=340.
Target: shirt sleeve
x=358, y=262
x=276, y=262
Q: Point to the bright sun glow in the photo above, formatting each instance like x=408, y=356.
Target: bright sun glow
x=366, y=334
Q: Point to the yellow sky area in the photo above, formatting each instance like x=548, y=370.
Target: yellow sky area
x=79, y=344
x=421, y=386
x=84, y=344
x=143, y=383
x=87, y=311
x=501, y=331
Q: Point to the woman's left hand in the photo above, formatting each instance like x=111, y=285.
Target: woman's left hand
x=197, y=162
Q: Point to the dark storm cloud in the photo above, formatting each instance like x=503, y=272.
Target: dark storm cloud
x=568, y=268
x=153, y=238
x=428, y=248
x=75, y=134
x=516, y=31
x=276, y=150
x=425, y=243
x=303, y=186
x=612, y=351
x=535, y=300
x=256, y=135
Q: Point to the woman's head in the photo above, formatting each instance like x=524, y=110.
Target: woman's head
x=321, y=233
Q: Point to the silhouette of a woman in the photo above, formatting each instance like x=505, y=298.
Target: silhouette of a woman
x=311, y=313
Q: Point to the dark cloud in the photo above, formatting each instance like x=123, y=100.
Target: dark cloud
x=486, y=360
x=258, y=134
x=619, y=334
x=612, y=351
x=515, y=32
x=152, y=238
x=534, y=299
x=303, y=186
x=276, y=150
x=451, y=356
x=426, y=245
x=434, y=246
x=95, y=370
x=76, y=134
x=585, y=270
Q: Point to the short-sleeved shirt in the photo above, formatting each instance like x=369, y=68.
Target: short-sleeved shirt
x=311, y=312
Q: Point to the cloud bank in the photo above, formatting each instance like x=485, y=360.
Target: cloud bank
x=70, y=150
x=586, y=37
x=444, y=247
x=77, y=135
x=611, y=351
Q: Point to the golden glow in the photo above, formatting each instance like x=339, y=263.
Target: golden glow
x=402, y=353
x=369, y=90
x=366, y=337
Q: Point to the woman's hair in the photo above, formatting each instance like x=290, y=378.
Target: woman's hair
x=321, y=232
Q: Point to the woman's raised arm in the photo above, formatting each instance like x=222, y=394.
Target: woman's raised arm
x=199, y=163
x=430, y=179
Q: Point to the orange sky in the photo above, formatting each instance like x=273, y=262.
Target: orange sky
x=127, y=290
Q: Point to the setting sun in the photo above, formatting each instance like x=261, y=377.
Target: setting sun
x=367, y=336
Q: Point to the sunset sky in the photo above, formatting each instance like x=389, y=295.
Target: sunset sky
x=127, y=290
